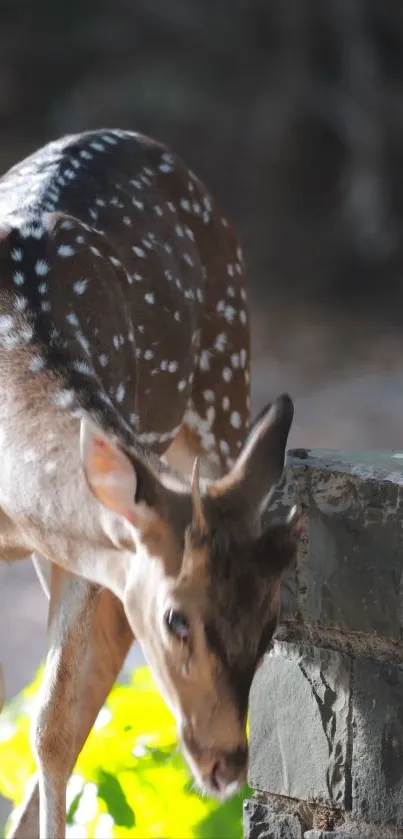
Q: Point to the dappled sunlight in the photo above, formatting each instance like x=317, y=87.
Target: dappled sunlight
x=130, y=779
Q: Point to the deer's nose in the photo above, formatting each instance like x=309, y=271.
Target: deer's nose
x=229, y=771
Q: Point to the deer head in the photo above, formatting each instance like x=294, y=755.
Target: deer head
x=203, y=588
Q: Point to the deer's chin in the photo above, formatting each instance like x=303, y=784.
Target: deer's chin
x=228, y=791
x=207, y=784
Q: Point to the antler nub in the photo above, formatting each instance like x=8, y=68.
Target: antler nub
x=199, y=524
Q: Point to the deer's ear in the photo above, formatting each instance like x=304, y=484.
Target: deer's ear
x=260, y=464
x=109, y=473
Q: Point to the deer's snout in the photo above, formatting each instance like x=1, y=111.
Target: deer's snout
x=228, y=772
x=221, y=772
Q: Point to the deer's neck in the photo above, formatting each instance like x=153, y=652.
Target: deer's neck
x=44, y=496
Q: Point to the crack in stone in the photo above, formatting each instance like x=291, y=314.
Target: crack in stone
x=327, y=717
x=384, y=650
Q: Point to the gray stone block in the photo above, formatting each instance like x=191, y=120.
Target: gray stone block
x=356, y=831
x=328, y=834
x=351, y=567
x=299, y=708
x=261, y=822
x=377, y=761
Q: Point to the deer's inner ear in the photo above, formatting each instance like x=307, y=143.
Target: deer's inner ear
x=126, y=486
x=109, y=473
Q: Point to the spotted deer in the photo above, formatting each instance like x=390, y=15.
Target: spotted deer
x=128, y=471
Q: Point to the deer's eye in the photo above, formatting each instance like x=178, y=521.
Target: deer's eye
x=178, y=625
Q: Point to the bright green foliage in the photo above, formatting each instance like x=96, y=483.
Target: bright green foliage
x=130, y=779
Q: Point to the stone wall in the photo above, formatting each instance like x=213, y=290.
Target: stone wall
x=327, y=704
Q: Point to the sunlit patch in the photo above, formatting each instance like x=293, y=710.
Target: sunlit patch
x=103, y=718
x=88, y=804
x=104, y=828
x=75, y=787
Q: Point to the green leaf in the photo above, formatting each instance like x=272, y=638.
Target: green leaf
x=110, y=791
x=71, y=812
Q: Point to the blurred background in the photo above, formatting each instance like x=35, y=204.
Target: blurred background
x=291, y=111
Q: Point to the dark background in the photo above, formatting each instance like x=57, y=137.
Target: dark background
x=292, y=113
x=291, y=110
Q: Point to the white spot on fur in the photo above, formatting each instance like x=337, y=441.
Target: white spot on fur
x=36, y=363
x=80, y=286
x=235, y=361
x=229, y=313
x=220, y=342
x=120, y=392
x=139, y=252
x=20, y=303
x=194, y=421
x=42, y=267
x=83, y=367
x=165, y=167
x=97, y=146
x=204, y=362
x=243, y=316
x=66, y=250
x=116, y=262
x=6, y=324
x=64, y=398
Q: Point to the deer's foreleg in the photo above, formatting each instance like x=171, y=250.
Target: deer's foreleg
x=89, y=638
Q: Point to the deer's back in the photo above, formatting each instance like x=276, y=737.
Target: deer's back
x=131, y=303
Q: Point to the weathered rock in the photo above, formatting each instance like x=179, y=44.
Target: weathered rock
x=355, y=831
x=377, y=759
x=262, y=822
x=350, y=573
x=327, y=705
x=299, y=712
x=329, y=834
